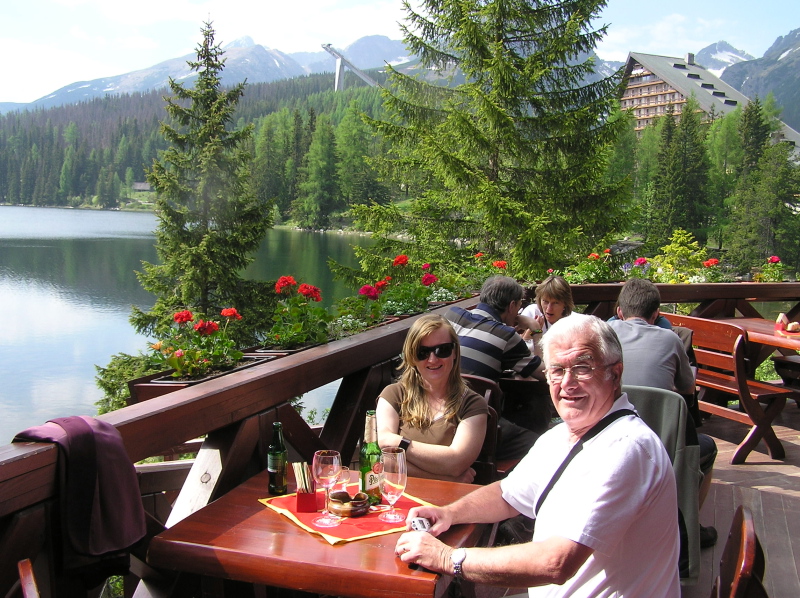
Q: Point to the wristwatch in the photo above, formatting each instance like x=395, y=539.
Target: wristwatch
x=457, y=557
x=404, y=443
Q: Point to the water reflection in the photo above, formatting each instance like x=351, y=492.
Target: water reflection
x=67, y=284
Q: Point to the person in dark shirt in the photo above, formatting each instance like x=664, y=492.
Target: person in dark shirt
x=491, y=345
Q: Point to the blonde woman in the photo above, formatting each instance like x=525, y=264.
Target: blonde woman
x=553, y=302
x=430, y=412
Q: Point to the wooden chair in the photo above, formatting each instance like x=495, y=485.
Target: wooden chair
x=27, y=580
x=720, y=349
x=741, y=568
x=487, y=387
x=485, y=466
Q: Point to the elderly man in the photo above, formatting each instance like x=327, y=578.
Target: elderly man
x=609, y=525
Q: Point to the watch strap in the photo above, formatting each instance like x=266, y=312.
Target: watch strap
x=404, y=443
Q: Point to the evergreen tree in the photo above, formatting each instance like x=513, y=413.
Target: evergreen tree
x=765, y=211
x=210, y=221
x=512, y=159
x=754, y=133
x=725, y=157
x=358, y=180
x=318, y=196
x=680, y=185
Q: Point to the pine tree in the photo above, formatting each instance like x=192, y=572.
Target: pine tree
x=210, y=221
x=512, y=159
x=754, y=132
x=318, y=196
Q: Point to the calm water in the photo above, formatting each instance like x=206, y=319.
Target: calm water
x=67, y=284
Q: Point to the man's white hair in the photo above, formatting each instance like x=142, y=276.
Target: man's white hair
x=597, y=334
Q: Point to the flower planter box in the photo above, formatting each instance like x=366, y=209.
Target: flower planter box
x=161, y=383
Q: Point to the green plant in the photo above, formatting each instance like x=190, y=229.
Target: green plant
x=682, y=259
x=113, y=379
x=771, y=270
x=594, y=268
x=194, y=346
x=298, y=320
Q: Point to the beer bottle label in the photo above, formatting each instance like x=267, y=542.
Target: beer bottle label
x=276, y=463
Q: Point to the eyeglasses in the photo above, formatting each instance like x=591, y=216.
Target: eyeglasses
x=444, y=350
x=581, y=371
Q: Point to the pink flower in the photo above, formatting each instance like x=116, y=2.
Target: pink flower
x=369, y=291
x=179, y=353
x=428, y=279
x=640, y=261
x=426, y=266
x=400, y=260
x=502, y=264
x=549, y=270
x=774, y=259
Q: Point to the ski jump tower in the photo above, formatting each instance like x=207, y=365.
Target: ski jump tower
x=342, y=62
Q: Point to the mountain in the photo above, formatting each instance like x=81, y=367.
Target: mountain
x=777, y=72
x=369, y=52
x=244, y=60
x=719, y=56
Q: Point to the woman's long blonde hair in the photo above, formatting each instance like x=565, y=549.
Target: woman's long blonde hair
x=413, y=406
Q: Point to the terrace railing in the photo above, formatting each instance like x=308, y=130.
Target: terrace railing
x=234, y=415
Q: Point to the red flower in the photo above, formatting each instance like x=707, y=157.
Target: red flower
x=206, y=328
x=230, y=312
x=369, y=291
x=478, y=255
x=428, y=279
x=380, y=285
x=283, y=282
x=426, y=266
x=500, y=264
x=549, y=270
x=388, y=278
x=606, y=251
x=774, y=259
x=640, y=261
x=182, y=317
x=710, y=262
x=310, y=292
x=593, y=256
x=400, y=260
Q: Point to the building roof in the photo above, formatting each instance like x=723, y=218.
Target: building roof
x=689, y=78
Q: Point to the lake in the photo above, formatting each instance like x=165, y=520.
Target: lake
x=67, y=283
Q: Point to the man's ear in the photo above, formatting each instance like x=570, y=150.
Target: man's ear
x=619, y=313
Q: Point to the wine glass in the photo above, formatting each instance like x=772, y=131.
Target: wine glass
x=343, y=480
x=393, y=481
x=326, y=467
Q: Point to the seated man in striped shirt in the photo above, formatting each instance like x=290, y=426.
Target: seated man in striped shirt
x=491, y=345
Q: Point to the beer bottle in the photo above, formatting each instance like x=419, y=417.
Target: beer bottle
x=276, y=461
x=370, y=479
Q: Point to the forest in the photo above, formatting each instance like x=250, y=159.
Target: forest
x=316, y=154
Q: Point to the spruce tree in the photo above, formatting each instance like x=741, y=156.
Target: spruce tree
x=210, y=220
x=318, y=195
x=754, y=133
x=511, y=160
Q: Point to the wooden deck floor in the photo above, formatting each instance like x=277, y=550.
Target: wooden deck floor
x=771, y=489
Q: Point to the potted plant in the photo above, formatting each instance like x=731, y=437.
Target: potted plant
x=299, y=320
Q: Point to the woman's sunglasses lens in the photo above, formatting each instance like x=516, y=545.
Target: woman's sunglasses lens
x=441, y=351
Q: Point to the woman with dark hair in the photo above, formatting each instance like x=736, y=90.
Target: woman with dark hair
x=431, y=412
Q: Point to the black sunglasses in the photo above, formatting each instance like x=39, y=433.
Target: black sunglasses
x=444, y=350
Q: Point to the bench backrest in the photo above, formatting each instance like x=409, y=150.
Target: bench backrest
x=717, y=344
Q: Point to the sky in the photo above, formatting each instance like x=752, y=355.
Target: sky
x=52, y=43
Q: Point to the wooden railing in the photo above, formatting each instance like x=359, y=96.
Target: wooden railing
x=235, y=413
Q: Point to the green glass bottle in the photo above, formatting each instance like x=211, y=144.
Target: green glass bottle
x=276, y=461
x=370, y=478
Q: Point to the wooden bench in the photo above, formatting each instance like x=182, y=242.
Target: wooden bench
x=720, y=349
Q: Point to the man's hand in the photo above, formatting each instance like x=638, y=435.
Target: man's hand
x=424, y=550
x=438, y=516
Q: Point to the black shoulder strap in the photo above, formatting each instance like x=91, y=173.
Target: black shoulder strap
x=578, y=446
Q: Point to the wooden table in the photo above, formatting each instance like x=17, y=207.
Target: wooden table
x=238, y=538
x=763, y=340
